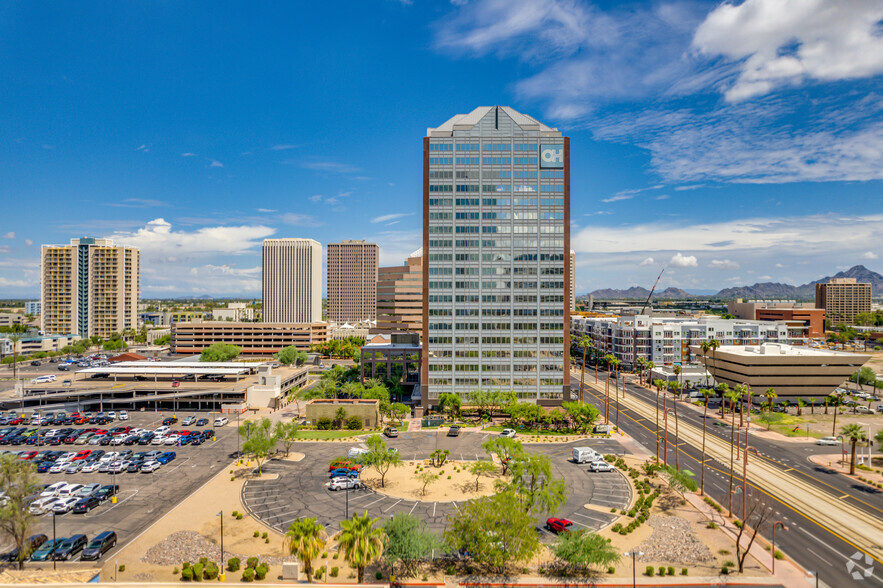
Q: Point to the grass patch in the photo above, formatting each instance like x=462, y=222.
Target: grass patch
x=529, y=431
x=308, y=434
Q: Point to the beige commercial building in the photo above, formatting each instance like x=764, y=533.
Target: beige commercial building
x=7, y=319
x=89, y=287
x=366, y=409
x=400, y=297
x=352, y=281
x=793, y=372
x=235, y=311
x=842, y=299
x=292, y=281
x=253, y=338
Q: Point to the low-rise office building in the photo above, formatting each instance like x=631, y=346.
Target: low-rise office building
x=254, y=338
x=668, y=341
x=796, y=313
x=31, y=343
x=235, y=311
x=7, y=319
x=32, y=307
x=402, y=353
x=366, y=409
x=793, y=372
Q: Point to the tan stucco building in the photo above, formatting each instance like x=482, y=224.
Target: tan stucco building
x=365, y=409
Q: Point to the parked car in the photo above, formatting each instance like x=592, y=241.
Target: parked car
x=33, y=542
x=46, y=550
x=124, y=415
x=169, y=421
x=53, y=489
x=201, y=422
x=150, y=466
x=84, y=505
x=585, y=455
x=828, y=441
x=391, y=432
x=864, y=410
x=106, y=492
x=88, y=490
x=220, y=421
x=65, y=504
x=70, y=547
x=166, y=457
x=510, y=433
x=99, y=545
x=558, y=525
x=343, y=473
x=344, y=483
x=454, y=431
x=42, y=505
x=600, y=466
x=188, y=421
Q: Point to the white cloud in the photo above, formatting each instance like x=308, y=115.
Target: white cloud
x=388, y=217
x=283, y=147
x=679, y=260
x=396, y=246
x=266, y=210
x=781, y=265
x=723, y=264
x=215, y=163
x=188, y=154
x=158, y=240
x=316, y=197
x=28, y=242
x=7, y=283
x=300, y=220
x=765, y=278
x=143, y=148
x=869, y=255
x=648, y=261
x=9, y=235
x=138, y=203
x=778, y=42
x=326, y=166
x=663, y=197
x=618, y=197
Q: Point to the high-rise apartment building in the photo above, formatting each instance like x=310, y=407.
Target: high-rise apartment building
x=352, y=281
x=842, y=299
x=89, y=287
x=496, y=263
x=572, y=280
x=292, y=281
x=400, y=297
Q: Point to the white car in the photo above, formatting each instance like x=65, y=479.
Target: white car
x=58, y=467
x=828, y=441
x=510, y=433
x=600, y=466
x=158, y=440
x=150, y=467
x=88, y=490
x=864, y=410
x=95, y=440
x=161, y=430
x=109, y=457
x=118, y=439
x=171, y=440
x=42, y=505
x=112, y=415
x=91, y=467
x=221, y=421
x=117, y=467
x=344, y=483
x=44, y=379
x=188, y=421
x=69, y=490
x=63, y=505
x=52, y=489
x=124, y=415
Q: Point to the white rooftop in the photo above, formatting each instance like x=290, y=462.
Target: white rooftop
x=778, y=349
x=170, y=365
x=196, y=371
x=463, y=122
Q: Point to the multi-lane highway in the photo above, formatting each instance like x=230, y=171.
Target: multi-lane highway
x=809, y=541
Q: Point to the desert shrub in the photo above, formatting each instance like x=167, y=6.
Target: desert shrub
x=378, y=575
x=260, y=572
x=779, y=555
x=324, y=555
x=728, y=564
x=239, y=516
x=683, y=571
x=187, y=574
x=235, y=512
x=324, y=424
x=334, y=556
x=257, y=534
x=671, y=571
x=185, y=565
x=203, y=561
x=723, y=551
x=176, y=571
x=265, y=535
x=354, y=423
x=725, y=570
x=233, y=564
x=251, y=562
x=211, y=571
x=248, y=575
x=711, y=525
x=122, y=567
x=197, y=571
x=650, y=571
x=450, y=570
x=334, y=571
x=611, y=570
x=319, y=572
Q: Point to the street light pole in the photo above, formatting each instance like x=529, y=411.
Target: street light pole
x=53, y=540
x=634, y=555
x=784, y=528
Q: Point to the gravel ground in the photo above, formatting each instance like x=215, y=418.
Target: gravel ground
x=673, y=541
x=190, y=546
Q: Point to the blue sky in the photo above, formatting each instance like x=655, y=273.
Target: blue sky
x=729, y=143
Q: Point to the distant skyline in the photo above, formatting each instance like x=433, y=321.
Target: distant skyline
x=732, y=144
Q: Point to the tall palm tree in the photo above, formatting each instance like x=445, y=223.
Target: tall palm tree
x=706, y=394
x=14, y=339
x=812, y=406
x=677, y=445
x=677, y=372
x=800, y=404
x=723, y=389
x=584, y=342
x=650, y=366
x=732, y=396
x=854, y=433
x=707, y=346
x=306, y=539
x=360, y=542
x=658, y=384
x=616, y=363
x=742, y=390
x=607, y=359
x=836, y=400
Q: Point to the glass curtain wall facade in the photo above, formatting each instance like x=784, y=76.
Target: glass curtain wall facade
x=496, y=261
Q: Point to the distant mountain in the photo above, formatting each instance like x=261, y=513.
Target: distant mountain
x=763, y=290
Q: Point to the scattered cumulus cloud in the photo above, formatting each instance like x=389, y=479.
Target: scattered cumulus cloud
x=28, y=242
x=316, y=198
x=327, y=166
x=215, y=163
x=648, y=261
x=299, y=220
x=723, y=264
x=138, y=203
x=679, y=260
x=188, y=154
x=618, y=197
x=869, y=255
x=663, y=197
x=143, y=149
x=266, y=210
x=9, y=235
x=283, y=147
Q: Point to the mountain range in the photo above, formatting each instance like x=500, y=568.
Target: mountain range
x=761, y=290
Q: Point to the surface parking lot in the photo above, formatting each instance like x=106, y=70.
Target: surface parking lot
x=143, y=498
x=301, y=488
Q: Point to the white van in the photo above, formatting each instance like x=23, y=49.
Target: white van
x=356, y=452
x=585, y=455
x=221, y=421
x=43, y=379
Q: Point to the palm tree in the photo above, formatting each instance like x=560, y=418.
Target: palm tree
x=677, y=373
x=770, y=395
x=306, y=539
x=642, y=365
x=836, y=401
x=360, y=542
x=707, y=394
x=649, y=366
x=812, y=406
x=732, y=396
x=616, y=363
x=800, y=404
x=742, y=390
x=607, y=359
x=677, y=445
x=707, y=346
x=854, y=433
x=723, y=389
x=584, y=342
x=658, y=384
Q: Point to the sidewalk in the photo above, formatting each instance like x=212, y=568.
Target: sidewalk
x=832, y=461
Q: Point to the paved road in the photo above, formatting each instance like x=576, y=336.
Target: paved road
x=301, y=488
x=808, y=543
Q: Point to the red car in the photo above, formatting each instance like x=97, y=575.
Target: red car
x=28, y=455
x=558, y=525
x=81, y=455
x=344, y=463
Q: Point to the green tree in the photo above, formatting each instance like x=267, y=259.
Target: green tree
x=768, y=417
x=681, y=481
x=584, y=549
x=504, y=449
x=289, y=355
x=581, y=414
x=14, y=339
x=380, y=457
x=286, y=434
x=836, y=401
x=361, y=542
x=495, y=530
x=863, y=376
x=450, y=403
x=659, y=384
x=220, y=352
x=408, y=542
x=854, y=434
x=259, y=440
x=770, y=395
x=18, y=480
x=398, y=410
x=539, y=492
x=426, y=478
x=305, y=539
x=480, y=468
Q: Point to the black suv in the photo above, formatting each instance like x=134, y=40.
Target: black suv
x=99, y=545
x=70, y=547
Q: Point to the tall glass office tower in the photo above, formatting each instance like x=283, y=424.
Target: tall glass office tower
x=496, y=266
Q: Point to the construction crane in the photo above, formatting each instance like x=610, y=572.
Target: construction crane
x=653, y=289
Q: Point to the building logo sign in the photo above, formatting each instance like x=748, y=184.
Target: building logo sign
x=551, y=155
